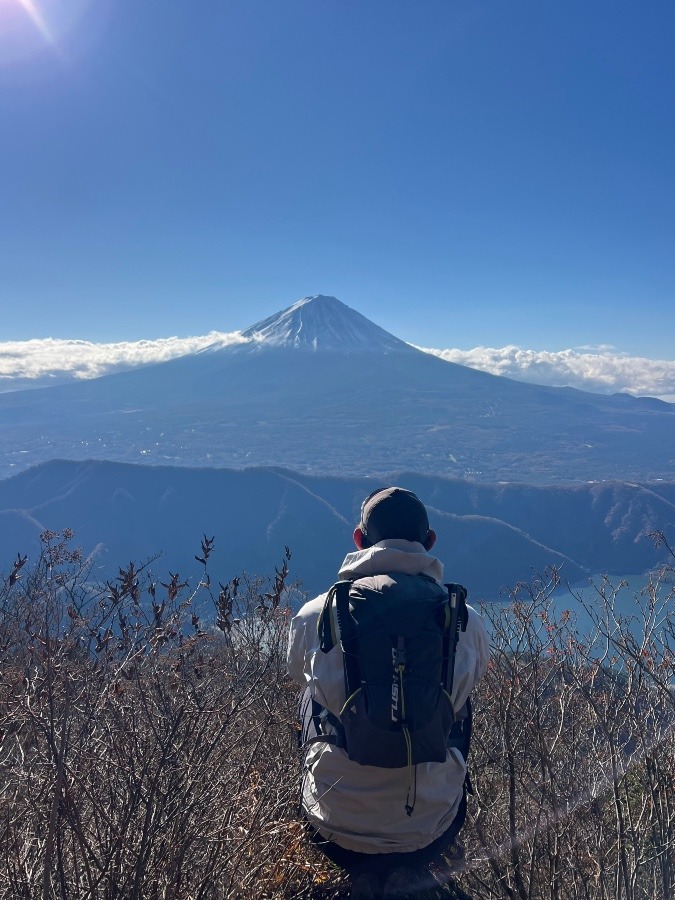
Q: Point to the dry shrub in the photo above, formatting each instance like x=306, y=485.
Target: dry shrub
x=143, y=754
x=148, y=743
x=574, y=749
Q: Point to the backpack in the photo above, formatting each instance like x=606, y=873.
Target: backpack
x=398, y=635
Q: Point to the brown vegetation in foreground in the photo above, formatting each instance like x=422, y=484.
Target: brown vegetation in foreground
x=148, y=743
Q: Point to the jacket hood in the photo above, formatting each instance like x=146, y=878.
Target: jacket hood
x=392, y=555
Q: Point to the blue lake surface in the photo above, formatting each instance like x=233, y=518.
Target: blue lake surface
x=631, y=600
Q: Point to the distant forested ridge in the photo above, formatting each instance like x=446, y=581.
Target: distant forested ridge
x=490, y=535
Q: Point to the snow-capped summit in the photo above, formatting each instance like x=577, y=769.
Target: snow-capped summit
x=318, y=388
x=323, y=323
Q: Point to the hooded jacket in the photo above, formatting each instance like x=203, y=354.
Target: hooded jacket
x=362, y=808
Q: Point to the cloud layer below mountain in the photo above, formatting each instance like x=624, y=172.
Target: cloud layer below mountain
x=46, y=361
x=600, y=370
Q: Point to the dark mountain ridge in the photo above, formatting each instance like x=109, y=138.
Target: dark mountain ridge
x=489, y=536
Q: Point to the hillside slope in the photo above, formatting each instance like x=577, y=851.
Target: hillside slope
x=489, y=536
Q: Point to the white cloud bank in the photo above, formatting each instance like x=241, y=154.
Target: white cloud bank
x=47, y=361
x=601, y=370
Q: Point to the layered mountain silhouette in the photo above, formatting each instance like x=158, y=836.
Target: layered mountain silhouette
x=489, y=536
x=318, y=388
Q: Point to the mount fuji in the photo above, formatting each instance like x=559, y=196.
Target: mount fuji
x=320, y=389
x=323, y=324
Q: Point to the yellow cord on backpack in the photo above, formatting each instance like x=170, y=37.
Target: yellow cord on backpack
x=409, y=807
x=408, y=743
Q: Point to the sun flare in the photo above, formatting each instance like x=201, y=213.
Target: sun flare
x=37, y=18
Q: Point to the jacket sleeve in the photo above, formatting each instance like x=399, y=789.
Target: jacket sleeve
x=296, y=655
x=303, y=641
x=322, y=673
x=471, y=661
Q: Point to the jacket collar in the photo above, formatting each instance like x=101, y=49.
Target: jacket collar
x=392, y=555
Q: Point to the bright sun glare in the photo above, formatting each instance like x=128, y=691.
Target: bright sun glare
x=37, y=18
x=29, y=27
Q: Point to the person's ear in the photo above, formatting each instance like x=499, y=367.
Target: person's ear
x=430, y=540
x=358, y=538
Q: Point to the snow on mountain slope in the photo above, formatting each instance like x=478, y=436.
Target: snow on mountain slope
x=319, y=388
x=322, y=323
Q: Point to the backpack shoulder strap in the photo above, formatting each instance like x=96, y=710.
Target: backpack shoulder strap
x=327, y=626
x=348, y=641
x=336, y=625
x=459, y=617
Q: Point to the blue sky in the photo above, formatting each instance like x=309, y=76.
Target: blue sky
x=463, y=173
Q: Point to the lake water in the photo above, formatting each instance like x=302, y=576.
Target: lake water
x=583, y=599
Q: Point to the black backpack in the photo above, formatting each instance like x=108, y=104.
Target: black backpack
x=398, y=635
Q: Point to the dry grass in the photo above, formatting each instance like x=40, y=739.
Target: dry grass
x=146, y=752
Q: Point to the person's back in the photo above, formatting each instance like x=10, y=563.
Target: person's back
x=359, y=813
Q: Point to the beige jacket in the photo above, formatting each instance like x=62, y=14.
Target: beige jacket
x=362, y=808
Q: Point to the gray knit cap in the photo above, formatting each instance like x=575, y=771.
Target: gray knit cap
x=394, y=512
